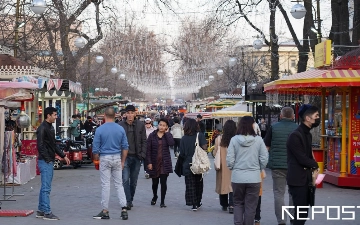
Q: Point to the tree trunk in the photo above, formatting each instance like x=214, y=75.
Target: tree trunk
x=340, y=26
x=356, y=23
x=274, y=42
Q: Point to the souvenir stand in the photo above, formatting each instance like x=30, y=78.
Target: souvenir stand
x=339, y=89
x=11, y=168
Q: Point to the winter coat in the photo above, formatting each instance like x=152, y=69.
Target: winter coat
x=140, y=137
x=223, y=176
x=74, y=130
x=246, y=157
x=177, y=131
x=152, y=152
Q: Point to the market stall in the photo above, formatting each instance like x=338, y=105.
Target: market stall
x=339, y=89
x=15, y=167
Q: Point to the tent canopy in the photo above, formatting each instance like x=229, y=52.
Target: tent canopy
x=16, y=90
x=222, y=103
x=315, y=79
x=238, y=110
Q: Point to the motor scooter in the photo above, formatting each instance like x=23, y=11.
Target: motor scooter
x=70, y=149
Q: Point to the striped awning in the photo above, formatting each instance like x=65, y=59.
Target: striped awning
x=205, y=115
x=315, y=79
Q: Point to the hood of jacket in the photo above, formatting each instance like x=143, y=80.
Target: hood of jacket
x=245, y=141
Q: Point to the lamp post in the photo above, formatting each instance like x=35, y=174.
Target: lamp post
x=38, y=7
x=298, y=11
x=114, y=71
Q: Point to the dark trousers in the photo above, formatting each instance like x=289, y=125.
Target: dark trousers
x=194, y=189
x=155, y=184
x=300, y=198
x=78, y=138
x=246, y=196
x=258, y=210
x=227, y=200
x=176, y=144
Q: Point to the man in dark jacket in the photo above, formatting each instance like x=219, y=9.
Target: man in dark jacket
x=301, y=162
x=47, y=149
x=89, y=124
x=136, y=136
x=275, y=141
x=201, y=124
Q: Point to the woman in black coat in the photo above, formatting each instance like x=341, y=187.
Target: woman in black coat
x=158, y=159
x=193, y=182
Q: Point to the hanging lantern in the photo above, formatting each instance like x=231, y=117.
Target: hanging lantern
x=211, y=77
x=23, y=120
x=220, y=72
x=122, y=76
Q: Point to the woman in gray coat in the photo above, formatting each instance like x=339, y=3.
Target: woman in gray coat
x=246, y=157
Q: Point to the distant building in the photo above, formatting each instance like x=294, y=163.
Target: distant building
x=288, y=58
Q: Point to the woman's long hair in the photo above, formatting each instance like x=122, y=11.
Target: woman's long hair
x=245, y=126
x=191, y=127
x=229, y=131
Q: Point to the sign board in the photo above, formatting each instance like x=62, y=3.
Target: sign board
x=323, y=54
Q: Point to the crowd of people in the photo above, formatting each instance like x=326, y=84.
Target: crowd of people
x=245, y=149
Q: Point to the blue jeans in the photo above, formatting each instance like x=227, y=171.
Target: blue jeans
x=130, y=176
x=46, y=172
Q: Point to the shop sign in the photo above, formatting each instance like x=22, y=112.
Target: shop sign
x=323, y=54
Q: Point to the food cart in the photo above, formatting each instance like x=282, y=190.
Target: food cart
x=339, y=89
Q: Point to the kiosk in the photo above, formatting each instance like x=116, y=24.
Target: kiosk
x=339, y=89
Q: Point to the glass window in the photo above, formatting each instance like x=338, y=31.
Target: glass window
x=293, y=63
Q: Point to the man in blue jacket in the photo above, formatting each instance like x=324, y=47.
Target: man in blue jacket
x=111, y=146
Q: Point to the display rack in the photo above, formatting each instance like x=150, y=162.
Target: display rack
x=9, y=135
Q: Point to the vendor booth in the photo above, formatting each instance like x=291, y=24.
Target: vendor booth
x=339, y=89
x=16, y=169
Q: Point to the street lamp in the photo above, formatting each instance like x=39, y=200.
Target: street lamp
x=220, y=72
x=99, y=59
x=298, y=11
x=113, y=70
x=253, y=87
x=38, y=6
x=232, y=61
x=258, y=44
x=80, y=42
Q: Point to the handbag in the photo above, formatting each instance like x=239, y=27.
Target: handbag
x=200, y=161
x=217, y=161
x=179, y=166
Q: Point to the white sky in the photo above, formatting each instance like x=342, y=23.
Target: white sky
x=168, y=22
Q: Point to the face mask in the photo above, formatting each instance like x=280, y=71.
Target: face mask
x=316, y=124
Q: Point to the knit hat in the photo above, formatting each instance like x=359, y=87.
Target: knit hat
x=306, y=107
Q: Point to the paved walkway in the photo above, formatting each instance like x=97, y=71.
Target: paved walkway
x=76, y=196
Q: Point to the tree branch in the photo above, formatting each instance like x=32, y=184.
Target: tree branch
x=251, y=24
